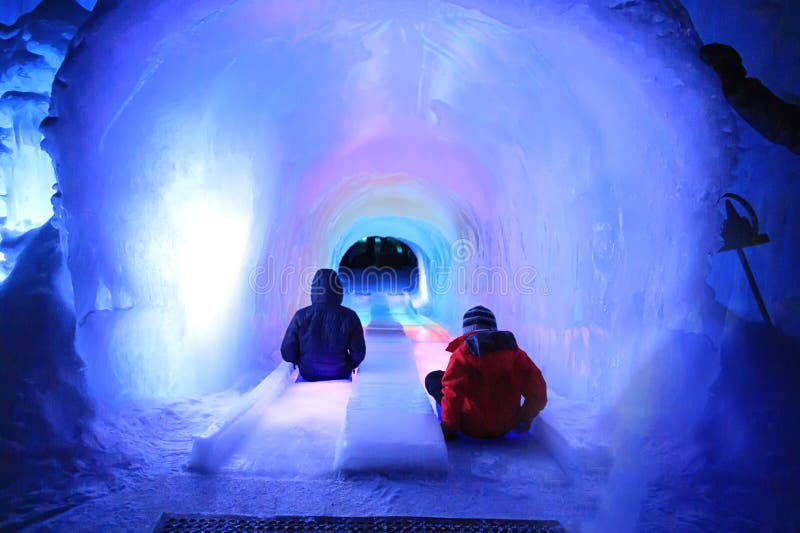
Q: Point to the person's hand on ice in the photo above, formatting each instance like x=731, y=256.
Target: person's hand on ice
x=523, y=426
x=449, y=434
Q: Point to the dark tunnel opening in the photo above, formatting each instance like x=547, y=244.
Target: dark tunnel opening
x=379, y=265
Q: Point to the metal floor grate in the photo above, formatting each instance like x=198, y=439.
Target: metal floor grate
x=169, y=523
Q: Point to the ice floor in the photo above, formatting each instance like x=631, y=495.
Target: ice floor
x=285, y=462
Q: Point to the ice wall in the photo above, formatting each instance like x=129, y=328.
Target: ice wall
x=11, y=10
x=765, y=34
x=763, y=31
x=45, y=420
x=33, y=45
x=557, y=161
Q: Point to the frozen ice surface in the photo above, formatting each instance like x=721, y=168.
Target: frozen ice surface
x=280, y=427
x=390, y=426
x=296, y=436
x=213, y=447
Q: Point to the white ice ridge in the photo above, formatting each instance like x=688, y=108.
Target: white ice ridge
x=389, y=425
x=211, y=449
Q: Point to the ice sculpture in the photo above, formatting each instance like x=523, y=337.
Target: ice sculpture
x=211, y=157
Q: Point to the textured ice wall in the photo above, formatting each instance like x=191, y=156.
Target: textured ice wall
x=213, y=153
x=33, y=45
x=45, y=420
x=766, y=35
x=763, y=31
x=12, y=10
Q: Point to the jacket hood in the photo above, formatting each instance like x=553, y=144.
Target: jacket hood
x=487, y=342
x=326, y=287
x=484, y=342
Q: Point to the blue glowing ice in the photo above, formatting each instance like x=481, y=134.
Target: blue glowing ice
x=524, y=142
x=32, y=50
x=557, y=161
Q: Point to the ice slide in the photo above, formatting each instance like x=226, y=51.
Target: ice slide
x=389, y=423
x=382, y=421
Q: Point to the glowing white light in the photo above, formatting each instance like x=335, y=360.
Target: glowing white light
x=3, y=273
x=209, y=263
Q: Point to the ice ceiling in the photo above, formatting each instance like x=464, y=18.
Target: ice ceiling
x=212, y=153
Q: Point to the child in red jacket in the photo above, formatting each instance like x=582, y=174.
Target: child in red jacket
x=486, y=378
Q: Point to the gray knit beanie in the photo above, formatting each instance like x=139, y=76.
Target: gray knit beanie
x=478, y=317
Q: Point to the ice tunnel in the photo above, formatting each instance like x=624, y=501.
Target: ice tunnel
x=556, y=161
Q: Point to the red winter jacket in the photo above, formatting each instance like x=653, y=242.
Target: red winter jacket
x=484, y=381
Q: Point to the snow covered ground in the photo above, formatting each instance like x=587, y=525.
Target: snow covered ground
x=592, y=470
x=515, y=478
x=285, y=465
